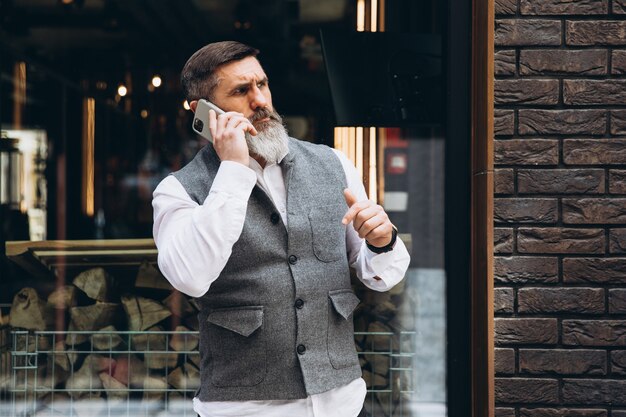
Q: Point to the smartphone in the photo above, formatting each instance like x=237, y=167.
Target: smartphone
x=201, y=118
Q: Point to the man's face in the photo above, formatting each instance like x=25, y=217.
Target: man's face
x=243, y=87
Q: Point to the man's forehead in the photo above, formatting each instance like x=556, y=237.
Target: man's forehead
x=245, y=70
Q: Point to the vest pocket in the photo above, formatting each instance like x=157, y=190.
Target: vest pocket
x=237, y=346
x=329, y=234
x=341, y=349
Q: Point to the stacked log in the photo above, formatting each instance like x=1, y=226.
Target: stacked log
x=116, y=345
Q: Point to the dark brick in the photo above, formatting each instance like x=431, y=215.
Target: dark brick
x=617, y=240
x=590, y=92
x=503, y=181
x=595, y=32
x=618, y=122
x=526, y=152
x=526, y=390
x=618, y=61
x=559, y=240
x=618, y=362
x=617, y=181
x=526, y=331
x=519, y=32
x=557, y=61
x=619, y=6
x=504, y=62
x=502, y=240
x=525, y=269
x=594, y=392
x=523, y=92
x=562, y=362
x=560, y=300
x=525, y=210
x=503, y=122
x=617, y=301
x=577, y=181
x=594, y=151
x=503, y=7
x=562, y=412
x=562, y=122
x=594, y=332
x=503, y=300
x=594, y=210
x=558, y=7
x=504, y=412
x=604, y=270
x=504, y=361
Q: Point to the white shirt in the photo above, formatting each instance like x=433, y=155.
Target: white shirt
x=194, y=248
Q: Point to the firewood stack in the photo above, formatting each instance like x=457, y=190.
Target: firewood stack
x=385, y=316
x=115, y=346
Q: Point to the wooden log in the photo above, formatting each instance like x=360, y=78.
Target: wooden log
x=64, y=297
x=106, y=339
x=160, y=360
x=374, y=380
x=143, y=312
x=114, y=388
x=152, y=339
x=154, y=388
x=150, y=277
x=96, y=283
x=130, y=370
x=62, y=358
x=194, y=358
x=178, y=304
x=184, y=341
x=90, y=318
x=184, y=378
x=28, y=310
x=86, y=381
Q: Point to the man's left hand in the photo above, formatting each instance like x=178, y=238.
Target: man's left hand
x=368, y=219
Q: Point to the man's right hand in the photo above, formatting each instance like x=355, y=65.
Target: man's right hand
x=229, y=136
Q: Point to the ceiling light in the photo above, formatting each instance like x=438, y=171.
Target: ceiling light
x=156, y=81
x=186, y=105
x=122, y=90
x=144, y=113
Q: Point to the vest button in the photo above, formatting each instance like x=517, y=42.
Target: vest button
x=299, y=303
x=274, y=218
x=301, y=349
x=293, y=259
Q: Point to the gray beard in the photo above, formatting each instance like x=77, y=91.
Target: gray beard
x=271, y=143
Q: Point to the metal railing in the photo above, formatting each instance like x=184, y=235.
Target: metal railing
x=154, y=373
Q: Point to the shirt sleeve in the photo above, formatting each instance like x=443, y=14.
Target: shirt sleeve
x=194, y=241
x=379, y=272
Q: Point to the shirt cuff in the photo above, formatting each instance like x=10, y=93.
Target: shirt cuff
x=383, y=271
x=234, y=179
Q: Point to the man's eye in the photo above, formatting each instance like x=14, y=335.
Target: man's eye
x=241, y=91
x=261, y=84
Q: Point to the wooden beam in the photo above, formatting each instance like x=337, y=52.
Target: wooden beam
x=482, y=354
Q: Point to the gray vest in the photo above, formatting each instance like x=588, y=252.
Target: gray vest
x=277, y=323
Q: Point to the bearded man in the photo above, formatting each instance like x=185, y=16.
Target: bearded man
x=262, y=228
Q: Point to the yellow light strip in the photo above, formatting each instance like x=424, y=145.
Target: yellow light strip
x=89, y=131
x=374, y=16
x=359, y=151
x=19, y=93
x=373, y=152
x=360, y=15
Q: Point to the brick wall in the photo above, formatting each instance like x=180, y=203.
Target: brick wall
x=560, y=208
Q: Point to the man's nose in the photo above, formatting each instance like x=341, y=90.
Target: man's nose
x=258, y=99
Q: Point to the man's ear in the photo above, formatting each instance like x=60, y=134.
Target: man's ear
x=193, y=105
